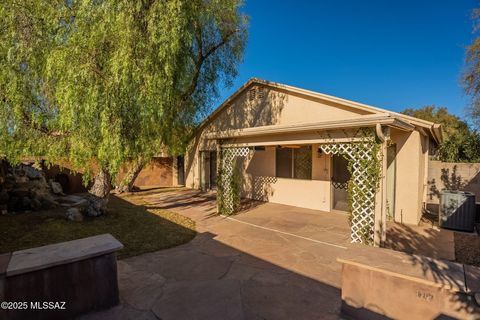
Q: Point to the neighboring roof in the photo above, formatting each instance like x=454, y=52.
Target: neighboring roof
x=433, y=129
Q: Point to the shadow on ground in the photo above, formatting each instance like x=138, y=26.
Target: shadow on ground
x=233, y=270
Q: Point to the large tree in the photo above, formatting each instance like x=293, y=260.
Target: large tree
x=461, y=144
x=471, y=77
x=101, y=83
x=219, y=34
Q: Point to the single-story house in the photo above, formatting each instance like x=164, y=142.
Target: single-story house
x=282, y=144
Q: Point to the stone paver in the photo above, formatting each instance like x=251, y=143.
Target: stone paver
x=271, y=262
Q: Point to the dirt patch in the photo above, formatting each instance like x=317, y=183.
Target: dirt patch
x=467, y=248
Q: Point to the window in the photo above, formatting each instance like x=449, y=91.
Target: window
x=294, y=162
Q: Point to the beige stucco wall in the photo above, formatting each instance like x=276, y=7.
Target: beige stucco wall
x=276, y=107
x=261, y=183
x=279, y=107
x=410, y=175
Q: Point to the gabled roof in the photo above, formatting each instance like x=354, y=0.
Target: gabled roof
x=433, y=129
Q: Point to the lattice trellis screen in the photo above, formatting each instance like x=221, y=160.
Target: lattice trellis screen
x=360, y=153
x=229, y=191
x=363, y=186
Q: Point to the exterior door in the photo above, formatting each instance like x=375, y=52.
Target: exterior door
x=213, y=169
x=180, y=170
x=340, y=178
x=208, y=170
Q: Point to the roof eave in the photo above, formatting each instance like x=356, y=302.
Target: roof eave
x=309, y=127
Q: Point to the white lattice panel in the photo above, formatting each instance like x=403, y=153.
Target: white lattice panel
x=228, y=164
x=363, y=187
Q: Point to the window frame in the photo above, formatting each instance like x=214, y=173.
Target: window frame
x=292, y=162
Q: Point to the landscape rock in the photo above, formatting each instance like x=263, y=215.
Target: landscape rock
x=56, y=187
x=4, y=197
x=74, y=214
x=32, y=173
x=96, y=206
x=25, y=188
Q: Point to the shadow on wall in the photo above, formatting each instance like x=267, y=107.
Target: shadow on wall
x=450, y=181
x=425, y=247
x=463, y=177
x=256, y=106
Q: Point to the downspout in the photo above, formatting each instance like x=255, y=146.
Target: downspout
x=379, y=132
x=383, y=216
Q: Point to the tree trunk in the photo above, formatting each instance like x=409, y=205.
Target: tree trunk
x=126, y=185
x=98, y=200
x=102, y=184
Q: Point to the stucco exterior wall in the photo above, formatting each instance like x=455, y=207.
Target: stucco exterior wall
x=410, y=176
x=261, y=183
x=273, y=108
x=277, y=107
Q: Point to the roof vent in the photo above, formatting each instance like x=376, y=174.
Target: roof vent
x=255, y=93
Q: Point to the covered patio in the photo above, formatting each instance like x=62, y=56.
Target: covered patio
x=302, y=165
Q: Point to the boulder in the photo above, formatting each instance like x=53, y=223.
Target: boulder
x=4, y=197
x=56, y=187
x=48, y=202
x=96, y=206
x=35, y=204
x=74, y=214
x=21, y=179
x=32, y=173
x=25, y=203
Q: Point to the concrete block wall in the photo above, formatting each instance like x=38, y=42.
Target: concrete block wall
x=460, y=176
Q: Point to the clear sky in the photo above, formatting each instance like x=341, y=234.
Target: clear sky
x=386, y=53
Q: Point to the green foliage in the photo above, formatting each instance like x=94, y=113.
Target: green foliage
x=107, y=81
x=461, y=144
x=372, y=173
x=451, y=124
x=471, y=77
x=461, y=147
x=233, y=184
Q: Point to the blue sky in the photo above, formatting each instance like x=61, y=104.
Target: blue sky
x=389, y=54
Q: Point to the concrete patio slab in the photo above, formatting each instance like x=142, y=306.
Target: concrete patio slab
x=270, y=262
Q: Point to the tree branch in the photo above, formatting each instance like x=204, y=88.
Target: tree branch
x=201, y=59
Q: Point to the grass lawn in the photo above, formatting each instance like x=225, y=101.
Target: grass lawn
x=140, y=229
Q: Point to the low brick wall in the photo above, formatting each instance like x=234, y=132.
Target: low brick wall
x=60, y=281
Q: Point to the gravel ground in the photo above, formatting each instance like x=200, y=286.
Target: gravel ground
x=467, y=247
